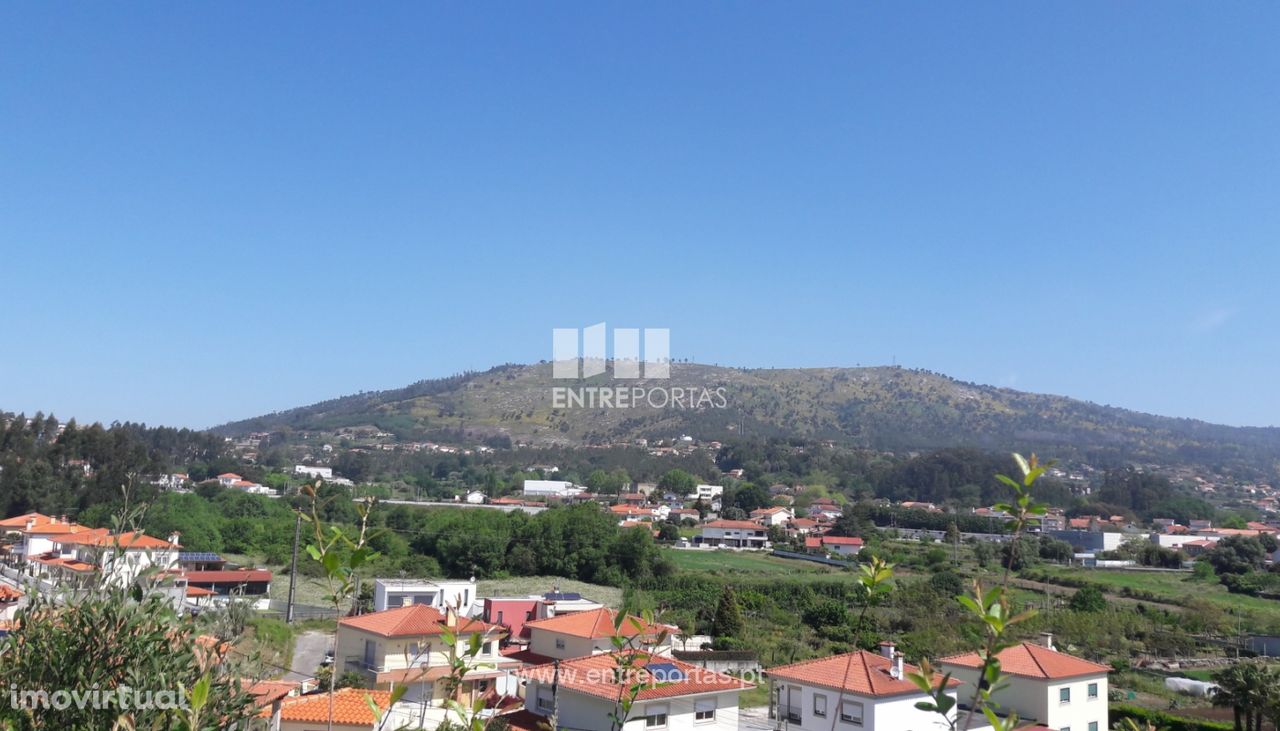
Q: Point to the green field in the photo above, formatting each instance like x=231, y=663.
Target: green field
x=749, y=562
x=1177, y=588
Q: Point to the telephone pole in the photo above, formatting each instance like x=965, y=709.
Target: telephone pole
x=293, y=569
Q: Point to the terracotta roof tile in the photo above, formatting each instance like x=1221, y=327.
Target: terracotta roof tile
x=414, y=621
x=596, y=675
x=350, y=707
x=593, y=624
x=734, y=524
x=1030, y=660
x=861, y=672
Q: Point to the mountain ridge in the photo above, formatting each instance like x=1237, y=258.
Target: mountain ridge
x=887, y=408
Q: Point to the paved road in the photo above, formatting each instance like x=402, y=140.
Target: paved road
x=754, y=719
x=308, y=651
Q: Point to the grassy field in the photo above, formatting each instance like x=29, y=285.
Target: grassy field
x=525, y=585
x=723, y=562
x=1177, y=588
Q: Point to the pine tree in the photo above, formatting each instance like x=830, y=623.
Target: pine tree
x=728, y=621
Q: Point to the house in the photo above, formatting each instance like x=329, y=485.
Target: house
x=122, y=558
x=227, y=479
x=351, y=710
x=633, y=498
x=863, y=690
x=324, y=473
x=672, y=695
x=769, y=517
x=9, y=600
x=269, y=697
x=591, y=633
x=706, y=492
x=1042, y=684
x=393, y=593
x=550, y=488
x=512, y=613
x=251, y=585
x=842, y=545
x=407, y=646
x=734, y=534
x=475, y=497
x=801, y=526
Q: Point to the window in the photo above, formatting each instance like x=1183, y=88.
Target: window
x=1093, y=691
x=486, y=649
x=655, y=717
x=1093, y=726
x=559, y=643
x=851, y=712
x=413, y=651
x=819, y=705
x=545, y=699
x=500, y=619
x=704, y=710
x=1064, y=695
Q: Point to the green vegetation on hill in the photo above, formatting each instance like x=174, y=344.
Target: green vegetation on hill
x=876, y=408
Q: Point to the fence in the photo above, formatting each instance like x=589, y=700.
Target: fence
x=810, y=557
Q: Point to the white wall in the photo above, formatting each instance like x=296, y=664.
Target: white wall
x=892, y=713
x=1039, y=699
x=582, y=712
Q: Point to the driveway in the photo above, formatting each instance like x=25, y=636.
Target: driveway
x=308, y=650
x=754, y=719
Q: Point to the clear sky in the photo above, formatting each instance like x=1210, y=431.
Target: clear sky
x=213, y=210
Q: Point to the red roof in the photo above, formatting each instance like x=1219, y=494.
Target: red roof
x=9, y=594
x=597, y=675
x=228, y=576
x=266, y=692
x=593, y=624
x=841, y=541
x=1030, y=660
x=734, y=524
x=862, y=672
x=350, y=707
x=414, y=621
x=20, y=521
x=104, y=539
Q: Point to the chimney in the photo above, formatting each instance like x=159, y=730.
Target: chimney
x=31, y=523
x=887, y=648
x=450, y=617
x=1046, y=639
x=897, y=666
x=174, y=537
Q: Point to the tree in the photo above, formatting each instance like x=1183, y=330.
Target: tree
x=1250, y=690
x=1236, y=555
x=728, y=620
x=1088, y=599
x=678, y=481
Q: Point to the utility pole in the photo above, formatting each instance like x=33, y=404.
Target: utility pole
x=293, y=569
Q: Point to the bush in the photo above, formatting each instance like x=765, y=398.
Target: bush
x=1164, y=721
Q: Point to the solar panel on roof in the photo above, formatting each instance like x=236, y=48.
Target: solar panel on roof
x=192, y=556
x=665, y=672
x=556, y=596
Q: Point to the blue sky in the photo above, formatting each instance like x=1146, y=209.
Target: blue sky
x=212, y=211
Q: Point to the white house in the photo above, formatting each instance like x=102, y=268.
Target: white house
x=551, y=488
x=673, y=695
x=1052, y=688
x=773, y=516
x=862, y=690
x=121, y=558
x=228, y=479
x=393, y=593
x=734, y=534
x=577, y=634
x=324, y=473
x=408, y=646
x=706, y=492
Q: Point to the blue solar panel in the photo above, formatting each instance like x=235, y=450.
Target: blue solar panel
x=556, y=596
x=195, y=556
x=665, y=672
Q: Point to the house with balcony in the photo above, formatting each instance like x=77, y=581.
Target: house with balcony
x=408, y=646
x=1041, y=684
x=857, y=690
x=769, y=517
x=672, y=695
x=441, y=594
x=121, y=558
x=734, y=534
x=591, y=633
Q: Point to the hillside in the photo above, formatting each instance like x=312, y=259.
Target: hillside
x=882, y=408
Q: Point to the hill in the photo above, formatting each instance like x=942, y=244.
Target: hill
x=883, y=408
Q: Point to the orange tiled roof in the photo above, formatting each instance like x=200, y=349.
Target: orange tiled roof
x=266, y=692
x=414, y=621
x=58, y=529
x=1030, y=660
x=861, y=672
x=592, y=624
x=350, y=707
x=738, y=524
x=9, y=594
x=20, y=521
x=597, y=675
x=68, y=563
x=104, y=539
